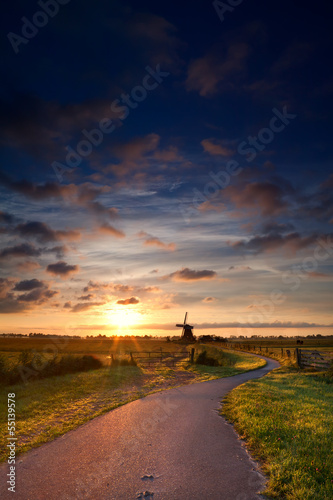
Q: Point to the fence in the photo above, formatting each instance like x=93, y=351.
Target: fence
x=153, y=357
x=304, y=358
x=314, y=359
x=284, y=352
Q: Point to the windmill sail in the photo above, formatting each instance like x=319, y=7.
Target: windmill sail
x=187, y=333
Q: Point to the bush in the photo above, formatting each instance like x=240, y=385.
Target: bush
x=32, y=366
x=204, y=359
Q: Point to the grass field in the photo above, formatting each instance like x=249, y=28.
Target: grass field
x=287, y=420
x=230, y=361
x=50, y=407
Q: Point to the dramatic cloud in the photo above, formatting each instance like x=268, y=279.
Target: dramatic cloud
x=187, y=274
x=62, y=269
x=126, y=302
x=291, y=242
x=265, y=197
x=23, y=250
x=37, y=294
x=27, y=285
x=82, y=195
x=44, y=234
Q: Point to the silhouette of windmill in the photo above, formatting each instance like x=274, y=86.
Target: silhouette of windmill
x=187, y=333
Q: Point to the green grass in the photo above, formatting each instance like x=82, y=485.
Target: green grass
x=231, y=363
x=50, y=407
x=287, y=420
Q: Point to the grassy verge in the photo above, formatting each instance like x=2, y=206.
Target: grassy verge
x=287, y=420
x=230, y=363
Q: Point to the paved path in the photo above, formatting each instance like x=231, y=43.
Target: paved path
x=172, y=444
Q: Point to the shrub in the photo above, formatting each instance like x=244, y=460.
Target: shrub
x=33, y=366
x=204, y=359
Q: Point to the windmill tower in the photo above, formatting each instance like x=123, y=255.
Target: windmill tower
x=187, y=333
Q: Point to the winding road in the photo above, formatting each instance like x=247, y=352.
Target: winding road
x=172, y=445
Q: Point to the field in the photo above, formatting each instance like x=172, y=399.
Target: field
x=49, y=407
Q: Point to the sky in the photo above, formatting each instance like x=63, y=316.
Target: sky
x=163, y=157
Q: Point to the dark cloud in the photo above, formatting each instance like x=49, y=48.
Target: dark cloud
x=319, y=204
x=6, y=218
x=267, y=198
x=89, y=296
x=45, y=191
x=126, y=302
x=33, y=123
x=37, y=294
x=85, y=306
x=23, y=250
x=276, y=228
x=9, y=305
x=62, y=269
x=291, y=242
x=59, y=250
x=187, y=274
x=44, y=234
x=83, y=195
x=27, y=285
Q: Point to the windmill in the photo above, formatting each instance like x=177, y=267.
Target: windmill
x=187, y=333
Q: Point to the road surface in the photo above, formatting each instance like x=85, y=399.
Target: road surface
x=172, y=445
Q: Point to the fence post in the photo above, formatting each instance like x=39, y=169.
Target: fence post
x=298, y=357
x=192, y=356
x=282, y=351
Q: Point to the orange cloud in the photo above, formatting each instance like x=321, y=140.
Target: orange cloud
x=110, y=230
x=153, y=241
x=130, y=301
x=215, y=148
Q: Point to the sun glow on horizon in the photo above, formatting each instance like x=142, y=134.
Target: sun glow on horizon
x=124, y=318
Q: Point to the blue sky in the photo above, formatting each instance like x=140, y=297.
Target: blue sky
x=161, y=158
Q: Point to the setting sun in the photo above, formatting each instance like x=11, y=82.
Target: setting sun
x=123, y=318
